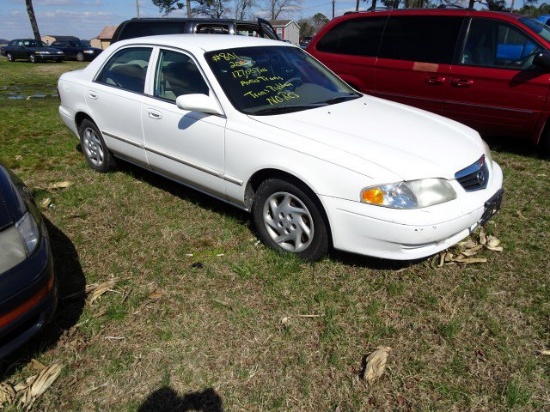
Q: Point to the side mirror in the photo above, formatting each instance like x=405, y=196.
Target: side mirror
x=542, y=59
x=201, y=103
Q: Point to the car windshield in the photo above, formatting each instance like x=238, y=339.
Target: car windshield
x=274, y=80
x=542, y=29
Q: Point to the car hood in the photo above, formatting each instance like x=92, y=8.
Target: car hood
x=391, y=135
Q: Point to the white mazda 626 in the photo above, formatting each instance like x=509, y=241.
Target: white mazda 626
x=264, y=126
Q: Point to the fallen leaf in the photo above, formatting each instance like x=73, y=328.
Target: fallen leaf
x=38, y=384
x=59, y=185
x=97, y=291
x=45, y=203
x=7, y=394
x=375, y=364
x=155, y=295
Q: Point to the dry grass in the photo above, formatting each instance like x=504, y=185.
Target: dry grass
x=199, y=316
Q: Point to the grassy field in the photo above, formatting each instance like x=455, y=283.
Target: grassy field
x=201, y=316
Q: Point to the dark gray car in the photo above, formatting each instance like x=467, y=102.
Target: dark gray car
x=151, y=26
x=32, y=50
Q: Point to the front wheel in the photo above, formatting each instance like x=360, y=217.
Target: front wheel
x=80, y=57
x=32, y=58
x=10, y=57
x=288, y=219
x=98, y=156
x=544, y=145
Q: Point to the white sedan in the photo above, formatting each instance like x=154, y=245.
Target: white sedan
x=264, y=126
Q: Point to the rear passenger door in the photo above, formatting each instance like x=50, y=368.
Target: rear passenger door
x=415, y=58
x=494, y=88
x=115, y=101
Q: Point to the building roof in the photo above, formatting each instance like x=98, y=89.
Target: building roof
x=107, y=33
x=282, y=23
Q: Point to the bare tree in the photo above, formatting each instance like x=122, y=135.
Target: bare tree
x=32, y=18
x=243, y=8
x=278, y=8
x=168, y=6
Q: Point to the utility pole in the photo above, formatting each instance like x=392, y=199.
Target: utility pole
x=137, y=8
x=333, y=4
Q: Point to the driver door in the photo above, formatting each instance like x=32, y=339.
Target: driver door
x=495, y=88
x=185, y=146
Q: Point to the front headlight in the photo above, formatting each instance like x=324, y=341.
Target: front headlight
x=18, y=242
x=414, y=194
x=42, y=52
x=88, y=52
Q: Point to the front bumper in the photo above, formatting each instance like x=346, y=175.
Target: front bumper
x=410, y=234
x=28, y=299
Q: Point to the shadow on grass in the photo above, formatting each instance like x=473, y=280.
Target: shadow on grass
x=511, y=145
x=217, y=206
x=166, y=399
x=71, y=285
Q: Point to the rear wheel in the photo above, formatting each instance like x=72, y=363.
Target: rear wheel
x=10, y=57
x=288, y=219
x=93, y=146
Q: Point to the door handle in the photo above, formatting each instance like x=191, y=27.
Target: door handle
x=92, y=95
x=462, y=82
x=154, y=114
x=435, y=80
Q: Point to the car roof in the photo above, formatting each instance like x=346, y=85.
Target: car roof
x=204, y=42
x=450, y=11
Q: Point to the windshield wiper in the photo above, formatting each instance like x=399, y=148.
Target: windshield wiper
x=285, y=109
x=340, y=99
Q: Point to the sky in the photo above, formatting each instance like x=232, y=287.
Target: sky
x=86, y=18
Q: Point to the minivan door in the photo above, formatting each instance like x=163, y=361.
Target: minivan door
x=414, y=59
x=494, y=88
x=267, y=30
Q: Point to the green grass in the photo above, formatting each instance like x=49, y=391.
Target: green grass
x=196, y=318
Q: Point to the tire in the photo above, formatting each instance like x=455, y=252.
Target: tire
x=288, y=219
x=544, y=145
x=80, y=57
x=32, y=58
x=10, y=57
x=93, y=146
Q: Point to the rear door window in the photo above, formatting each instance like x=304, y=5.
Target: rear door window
x=126, y=69
x=358, y=37
x=430, y=39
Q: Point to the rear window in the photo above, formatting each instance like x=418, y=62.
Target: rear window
x=429, y=39
x=143, y=28
x=358, y=37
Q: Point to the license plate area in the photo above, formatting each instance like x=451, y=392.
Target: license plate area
x=492, y=206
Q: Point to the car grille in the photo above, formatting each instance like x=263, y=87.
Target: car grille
x=475, y=176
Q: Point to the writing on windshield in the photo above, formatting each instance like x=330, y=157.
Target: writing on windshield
x=255, y=81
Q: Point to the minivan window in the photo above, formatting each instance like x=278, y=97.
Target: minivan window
x=358, y=37
x=495, y=43
x=430, y=39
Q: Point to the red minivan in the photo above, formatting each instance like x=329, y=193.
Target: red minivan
x=489, y=70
